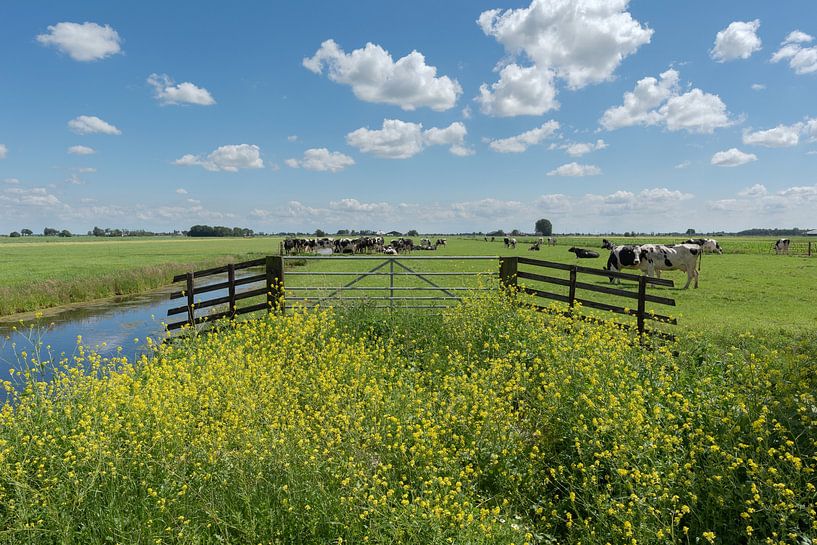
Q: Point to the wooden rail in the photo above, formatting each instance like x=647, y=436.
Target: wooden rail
x=269, y=283
x=509, y=274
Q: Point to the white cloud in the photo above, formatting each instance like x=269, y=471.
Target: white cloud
x=757, y=190
x=575, y=169
x=782, y=136
x=181, y=191
x=228, y=158
x=683, y=164
x=577, y=149
x=758, y=86
x=321, y=159
x=401, y=140
x=519, y=91
x=521, y=142
x=3, y=151
x=89, y=124
x=74, y=180
x=641, y=104
x=582, y=41
x=36, y=196
x=732, y=157
x=737, y=41
x=292, y=138
x=86, y=170
x=374, y=76
x=81, y=150
x=803, y=60
x=693, y=111
x=355, y=206
x=11, y=181
x=83, y=42
x=184, y=93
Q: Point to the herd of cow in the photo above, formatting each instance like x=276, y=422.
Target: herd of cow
x=361, y=245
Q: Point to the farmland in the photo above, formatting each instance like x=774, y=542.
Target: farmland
x=746, y=288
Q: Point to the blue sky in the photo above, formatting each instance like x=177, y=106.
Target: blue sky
x=600, y=115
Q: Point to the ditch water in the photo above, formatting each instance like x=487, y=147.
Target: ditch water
x=104, y=326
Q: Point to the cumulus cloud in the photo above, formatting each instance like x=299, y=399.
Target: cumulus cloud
x=181, y=191
x=90, y=124
x=228, y=158
x=732, y=157
x=3, y=151
x=81, y=150
x=521, y=142
x=577, y=149
x=323, y=160
x=357, y=207
x=782, y=136
x=737, y=41
x=375, y=77
x=401, y=140
x=166, y=92
x=796, y=202
x=582, y=41
x=36, y=196
x=758, y=87
x=82, y=42
x=575, y=169
x=803, y=60
x=658, y=101
x=757, y=190
x=292, y=138
x=519, y=91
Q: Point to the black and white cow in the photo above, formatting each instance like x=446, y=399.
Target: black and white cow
x=607, y=244
x=510, y=242
x=440, y=242
x=706, y=244
x=782, y=246
x=581, y=253
x=623, y=257
x=655, y=258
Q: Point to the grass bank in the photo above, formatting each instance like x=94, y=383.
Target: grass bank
x=43, y=274
x=486, y=424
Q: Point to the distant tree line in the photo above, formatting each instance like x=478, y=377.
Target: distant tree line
x=108, y=232
x=218, y=231
x=773, y=232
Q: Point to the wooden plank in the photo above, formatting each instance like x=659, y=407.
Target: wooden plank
x=546, y=294
x=231, y=288
x=219, y=316
x=597, y=272
x=220, y=286
x=219, y=301
x=595, y=320
x=593, y=287
x=223, y=268
x=543, y=278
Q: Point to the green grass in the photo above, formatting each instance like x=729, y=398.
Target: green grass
x=42, y=273
x=746, y=288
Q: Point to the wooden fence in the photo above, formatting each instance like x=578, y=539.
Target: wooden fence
x=509, y=275
x=269, y=284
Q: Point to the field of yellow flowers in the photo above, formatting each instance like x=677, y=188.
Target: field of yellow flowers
x=489, y=423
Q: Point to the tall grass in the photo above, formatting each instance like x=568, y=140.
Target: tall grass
x=485, y=424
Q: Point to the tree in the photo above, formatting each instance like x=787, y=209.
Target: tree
x=413, y=233
x=690, y=231
x=26, y=232
x=14, y=234
x=320, y=233
x=50, y=232
x=516, y=233
x=544, y=227
x=65, y=233
x=97, y=232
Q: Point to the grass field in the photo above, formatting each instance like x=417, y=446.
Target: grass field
x=45, y=273
x=746, y=288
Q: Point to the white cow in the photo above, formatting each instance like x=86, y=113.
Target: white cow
x=782, y=246
x=684, y=257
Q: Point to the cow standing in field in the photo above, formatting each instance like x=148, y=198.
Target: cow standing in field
x=510, y=242
x=623, y=257
x=551, y=241
x=707, y=244
x=440, y=242
x=653, y=258
x=782, y=246
x=607, y=244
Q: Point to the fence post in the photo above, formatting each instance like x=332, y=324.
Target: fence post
x=191, y=314
x=572, y=293
x=231, y=288
x=508, y=266
x=275, y=283
x=391, y=283
x=809, y=248
x=642, y=300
